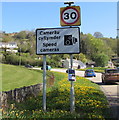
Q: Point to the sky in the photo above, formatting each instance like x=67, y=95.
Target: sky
x=95, y=16
x=118, y=19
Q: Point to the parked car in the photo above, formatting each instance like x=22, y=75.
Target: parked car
x=47, y=67
x=89, y=73
x=110, y=76
x=28, y=66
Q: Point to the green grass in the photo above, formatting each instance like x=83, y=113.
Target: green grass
x=96, y=69
x=16, y=77
x=90, y=102
x=19, y=76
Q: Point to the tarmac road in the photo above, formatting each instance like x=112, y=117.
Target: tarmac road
x=111, y=91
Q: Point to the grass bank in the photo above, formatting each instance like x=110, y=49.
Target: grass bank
x=17, y=76
x=90, y=102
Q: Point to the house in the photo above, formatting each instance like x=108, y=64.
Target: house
x=76, y=64
x=11, y=46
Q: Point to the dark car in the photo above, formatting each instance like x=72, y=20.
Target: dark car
x=89, y=73
x=28, y=66
x=110, y=76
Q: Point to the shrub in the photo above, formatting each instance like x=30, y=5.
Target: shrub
x=101, y=59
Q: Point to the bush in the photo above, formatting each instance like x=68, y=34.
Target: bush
x=101, y=59
x=15, y=59
x=12, y=59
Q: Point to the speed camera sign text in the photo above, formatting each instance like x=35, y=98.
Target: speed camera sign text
x=70, y=16
x=57, y=40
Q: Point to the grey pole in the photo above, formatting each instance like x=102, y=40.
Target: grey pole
x=72, y=97
x=44, y=82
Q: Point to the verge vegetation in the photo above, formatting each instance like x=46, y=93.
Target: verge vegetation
x=94, y=48
x=96, y=69
x=90, y=101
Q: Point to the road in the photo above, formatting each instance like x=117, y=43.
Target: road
x=110, y=91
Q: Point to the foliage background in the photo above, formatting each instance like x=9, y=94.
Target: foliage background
x=93, y=48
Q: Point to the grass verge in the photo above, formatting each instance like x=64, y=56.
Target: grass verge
x=90, y=102
x=17, y=76
x=96, y=69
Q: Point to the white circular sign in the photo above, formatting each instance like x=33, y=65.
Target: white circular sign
x=70, y=15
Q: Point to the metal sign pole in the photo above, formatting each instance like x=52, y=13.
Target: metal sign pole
x=72, y=97
x=44, y=82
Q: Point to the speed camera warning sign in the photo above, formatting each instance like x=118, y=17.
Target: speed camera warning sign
x=58, y=41
x=70, y=16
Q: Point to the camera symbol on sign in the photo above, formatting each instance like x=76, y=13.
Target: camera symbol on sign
x=69, y=40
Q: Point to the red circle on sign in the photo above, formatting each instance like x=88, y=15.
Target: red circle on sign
x=73, y=9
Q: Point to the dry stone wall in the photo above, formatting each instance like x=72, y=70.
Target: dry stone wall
x=20, y=94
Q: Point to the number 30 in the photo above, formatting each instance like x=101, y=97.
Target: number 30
x=69, y=15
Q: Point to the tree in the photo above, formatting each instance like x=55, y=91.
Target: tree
x=21, y=35
x=101, y=59
x=30, y=35
x=7, y=38
x=98, y=35
x=81, y=57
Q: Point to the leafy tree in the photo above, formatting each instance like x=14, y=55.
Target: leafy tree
x=91, y=46
x=81, y=57
x=21, y=35
x=7, y=38
x=112, y=44
x=54, y=60
x=101, y=59
x=30, y=35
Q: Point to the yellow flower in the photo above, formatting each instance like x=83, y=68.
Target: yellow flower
x=16, y=114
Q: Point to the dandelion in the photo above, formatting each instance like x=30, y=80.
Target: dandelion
x=17, y=114
x=12, y=112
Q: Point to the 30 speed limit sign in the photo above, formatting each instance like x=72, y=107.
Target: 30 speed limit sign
x=70, y=16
